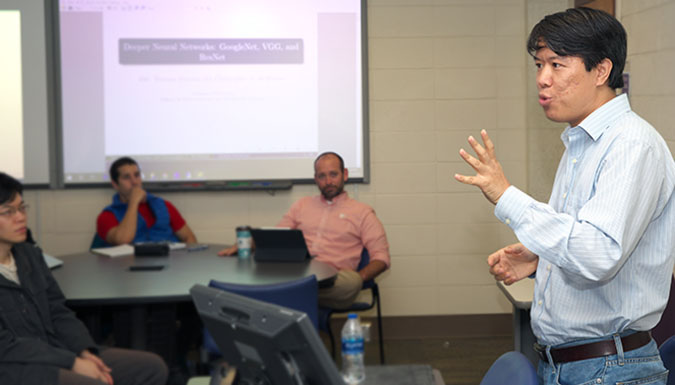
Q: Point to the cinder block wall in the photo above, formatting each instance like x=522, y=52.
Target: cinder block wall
x=651, y=59
x=439, y=72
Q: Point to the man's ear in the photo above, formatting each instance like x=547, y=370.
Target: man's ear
x=345, y=174
x=603, y=69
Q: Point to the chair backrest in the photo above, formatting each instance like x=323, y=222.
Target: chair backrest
x=511, y=368
x=97, y=242
x=365, y=259
x=667, y=351
x=301, y=294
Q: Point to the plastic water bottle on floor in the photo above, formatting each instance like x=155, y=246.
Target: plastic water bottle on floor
x=353, y=370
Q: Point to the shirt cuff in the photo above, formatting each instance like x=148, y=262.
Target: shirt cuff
x=511, y=206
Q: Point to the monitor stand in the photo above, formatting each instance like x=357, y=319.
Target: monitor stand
x=227, y=375
x=223, y=374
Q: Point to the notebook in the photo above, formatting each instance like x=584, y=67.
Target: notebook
x=114, y=251
x=279, y=245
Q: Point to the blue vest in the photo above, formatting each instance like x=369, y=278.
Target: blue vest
x=160, y=231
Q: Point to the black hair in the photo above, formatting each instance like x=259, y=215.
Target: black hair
x=342, y=162
x=9, y=188
x=589, y=34
x=115, y=167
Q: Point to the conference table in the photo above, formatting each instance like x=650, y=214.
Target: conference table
x=88, y=279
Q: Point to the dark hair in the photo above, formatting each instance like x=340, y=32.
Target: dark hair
x=342, y=162
x=9, y=188
x=589, y=34
x=115, y=167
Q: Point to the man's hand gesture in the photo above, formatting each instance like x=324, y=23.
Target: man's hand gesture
x=512, y=263
x=489, y=175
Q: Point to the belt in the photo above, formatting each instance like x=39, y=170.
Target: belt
x=594, y=349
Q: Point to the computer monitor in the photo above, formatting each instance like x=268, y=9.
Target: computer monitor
x=268, y=344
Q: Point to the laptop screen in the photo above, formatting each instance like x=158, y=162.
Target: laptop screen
x=279, y=245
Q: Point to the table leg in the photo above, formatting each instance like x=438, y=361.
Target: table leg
x=138, y=327
x=523, y=337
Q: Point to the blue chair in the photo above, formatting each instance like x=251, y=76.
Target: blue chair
x=326, y=313
x=301, y=295
x=512, y=368
x=97, y=242
x=667, y=351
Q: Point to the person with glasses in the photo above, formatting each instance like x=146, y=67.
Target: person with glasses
x=41, y=340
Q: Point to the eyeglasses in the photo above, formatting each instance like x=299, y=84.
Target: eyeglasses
x=10, y=211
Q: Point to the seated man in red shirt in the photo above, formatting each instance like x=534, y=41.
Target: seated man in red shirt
x=135, y=215
x=337, y=229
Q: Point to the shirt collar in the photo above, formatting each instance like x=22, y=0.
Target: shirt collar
x=603, y=117
x=340, y=198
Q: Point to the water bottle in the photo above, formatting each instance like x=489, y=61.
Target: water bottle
x=353, y=370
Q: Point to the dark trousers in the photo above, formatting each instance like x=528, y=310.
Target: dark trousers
x=129, y=367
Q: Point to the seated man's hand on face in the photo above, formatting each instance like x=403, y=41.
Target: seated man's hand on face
x=137, y=195
x=512, y=263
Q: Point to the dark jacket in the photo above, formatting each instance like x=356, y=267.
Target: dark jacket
x=38, y=333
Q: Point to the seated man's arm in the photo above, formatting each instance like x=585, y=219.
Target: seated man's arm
x=178, y=224
x=23, y=350
x=72, y=332
x=186, y=235
x=372, y=270
x=69, y=330
x=375, y=241
x=288, y=220
x=125, y=231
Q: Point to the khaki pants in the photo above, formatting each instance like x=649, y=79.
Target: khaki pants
x=343, y=292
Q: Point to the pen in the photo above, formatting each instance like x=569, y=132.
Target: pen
x=197, y=247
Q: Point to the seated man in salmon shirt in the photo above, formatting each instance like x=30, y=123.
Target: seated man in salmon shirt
x=337, y=229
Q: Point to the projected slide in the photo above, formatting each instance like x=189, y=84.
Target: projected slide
x=11, y=110
x=210, y=89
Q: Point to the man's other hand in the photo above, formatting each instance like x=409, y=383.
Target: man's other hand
x=87, y=355
x=512, y=263
x=489, y=174
x=232, y=250
x=90, y=369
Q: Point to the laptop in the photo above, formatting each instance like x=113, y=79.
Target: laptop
x=279, y=245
